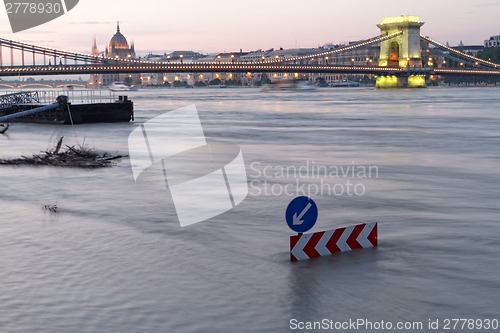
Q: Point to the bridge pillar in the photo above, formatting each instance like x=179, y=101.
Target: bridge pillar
x=402, y=51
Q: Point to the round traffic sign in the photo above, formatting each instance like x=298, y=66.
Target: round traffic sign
x=301, y=214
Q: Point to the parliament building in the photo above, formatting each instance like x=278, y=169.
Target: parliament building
x=118, y=48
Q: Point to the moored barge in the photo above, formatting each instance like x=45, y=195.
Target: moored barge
x=66, y=107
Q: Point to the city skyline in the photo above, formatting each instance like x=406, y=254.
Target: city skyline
x=157, y=26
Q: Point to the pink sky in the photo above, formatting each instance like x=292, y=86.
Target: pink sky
x=220, y=25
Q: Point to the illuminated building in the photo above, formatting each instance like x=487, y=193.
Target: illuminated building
x=364, y=56
x=95, y=79
x=184, y=57
x=119, y=48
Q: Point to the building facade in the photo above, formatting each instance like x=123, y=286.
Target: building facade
x=494, y=41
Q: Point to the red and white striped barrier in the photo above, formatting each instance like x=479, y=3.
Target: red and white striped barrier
x=324, y=243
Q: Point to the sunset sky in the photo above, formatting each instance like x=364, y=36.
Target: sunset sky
x=221, y=25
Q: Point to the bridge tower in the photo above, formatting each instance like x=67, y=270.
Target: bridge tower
x=402, y=51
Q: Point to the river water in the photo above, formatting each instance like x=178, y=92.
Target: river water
x=114, y=258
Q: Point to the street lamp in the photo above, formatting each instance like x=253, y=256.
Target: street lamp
x=181, y=56
x=232, y=57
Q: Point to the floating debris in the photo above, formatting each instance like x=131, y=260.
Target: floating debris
x=72, y=157
x=4, y=128
x=51, y=208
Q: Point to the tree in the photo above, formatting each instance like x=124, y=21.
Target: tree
x=491, y=54
x=321, y=82
x=215, y=82
x=367, y=79
x=180, y=84
x=264, y=79
x=232, y=82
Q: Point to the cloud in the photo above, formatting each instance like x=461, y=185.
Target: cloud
x=31, y=32
x=489, y=4
x=93, y=22
x=39, y=42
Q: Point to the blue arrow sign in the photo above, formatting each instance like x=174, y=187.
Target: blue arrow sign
x=301, y=214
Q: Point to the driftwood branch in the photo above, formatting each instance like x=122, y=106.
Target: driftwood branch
x=4, y=128
x=71, y=157
x=58, y=146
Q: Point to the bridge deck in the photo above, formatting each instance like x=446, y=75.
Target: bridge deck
x=233, y=68
x=88, y=64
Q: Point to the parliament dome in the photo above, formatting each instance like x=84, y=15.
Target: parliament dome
x=118, y=41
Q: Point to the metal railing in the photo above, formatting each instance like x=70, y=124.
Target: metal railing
x=27, y=97
x=49, y=96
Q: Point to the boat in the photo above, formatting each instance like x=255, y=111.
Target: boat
x=288, y=84
x=344, y=83
x=120, y=86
